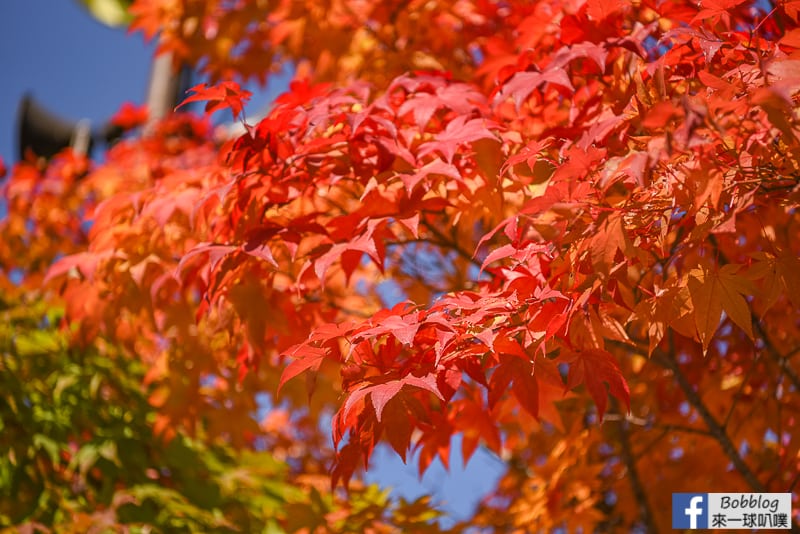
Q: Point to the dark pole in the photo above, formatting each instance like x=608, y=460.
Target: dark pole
x=46, y=134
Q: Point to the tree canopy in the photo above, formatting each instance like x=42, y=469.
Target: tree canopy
x=566, y=231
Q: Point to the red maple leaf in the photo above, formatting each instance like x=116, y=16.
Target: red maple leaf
x=130, y=116
x=461, y=98
x=595, y=368
x=459, y=131
x=301, y=92
x=382, y=393
x=522, y=84
x=221, y=96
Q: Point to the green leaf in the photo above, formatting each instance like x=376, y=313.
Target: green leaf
x=112, y=13
x=108, y=450
x=42, y=442
x=63, y=383
x=37, y=342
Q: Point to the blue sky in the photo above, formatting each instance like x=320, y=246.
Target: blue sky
x=73, y=65
x=78, y=68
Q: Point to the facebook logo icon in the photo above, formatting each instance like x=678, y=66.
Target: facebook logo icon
x=690, y=510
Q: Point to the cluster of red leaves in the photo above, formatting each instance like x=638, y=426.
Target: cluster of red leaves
x=626, y=188
x=130, y=116
x=44, y=204
x=341, y=40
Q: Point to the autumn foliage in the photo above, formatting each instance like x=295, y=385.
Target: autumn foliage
x=566, y=231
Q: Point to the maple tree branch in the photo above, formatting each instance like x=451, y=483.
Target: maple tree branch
x=629, y=418
x=687, y=429
x=780, y=360
x=775, y=355
x=652, y=443
x=716, y=430
x=450, y=243
x=417, y=273
x=638, y=421
x=792, y=353
x=628, y=458
x=739, y=392
x=431, y=241
x=666, y=429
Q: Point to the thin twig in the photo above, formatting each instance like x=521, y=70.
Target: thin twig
x=686, y=429
x=640, y=421
x=780, y=360
x=639, y=492
x=773, y=352
x=451, y=244
x=738, y=395
x=714, y=427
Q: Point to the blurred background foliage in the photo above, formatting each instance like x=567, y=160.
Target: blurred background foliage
x=79, y=453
